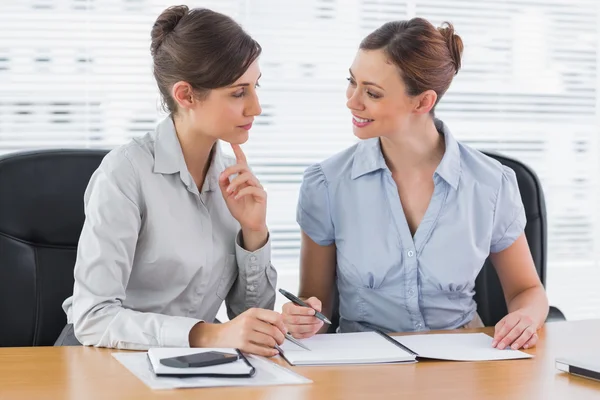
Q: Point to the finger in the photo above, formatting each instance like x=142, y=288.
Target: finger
x=314, y=303
x=500, y=330
x=531, y=342
x=528, y=332
x=300, y=320
x=304, y=329
x=304, y=335
x=240, y=157
x=512, y=335
x=245, y=177
x=293, y=309
x=272, y=317
x=232, y=170
x=258, y=350
x=270, y=330
x=259, y=194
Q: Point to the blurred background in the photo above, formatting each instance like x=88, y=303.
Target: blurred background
x=77, y=74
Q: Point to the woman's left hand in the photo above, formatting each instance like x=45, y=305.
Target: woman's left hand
x=244, y=195
x=517, y=330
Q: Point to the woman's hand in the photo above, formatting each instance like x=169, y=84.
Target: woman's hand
x=256, y=331
x=300, y=321
x=244, y=195
x=517, y=330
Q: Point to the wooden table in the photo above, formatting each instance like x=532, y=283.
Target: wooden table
x=89, y=373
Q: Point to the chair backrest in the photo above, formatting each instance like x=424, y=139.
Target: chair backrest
x=491, y=304
x=41, y=217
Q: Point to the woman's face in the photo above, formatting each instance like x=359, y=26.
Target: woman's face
x=227, y=113
x=377, y=96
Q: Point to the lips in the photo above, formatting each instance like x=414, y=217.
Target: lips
x=246, y=127
x=360, y=122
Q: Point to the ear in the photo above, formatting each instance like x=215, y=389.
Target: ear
x=425, y=102
x=183, y=94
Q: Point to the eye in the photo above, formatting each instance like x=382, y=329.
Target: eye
x=373, y=95
x=351, y=81
x=257, y=85
x=239, y=94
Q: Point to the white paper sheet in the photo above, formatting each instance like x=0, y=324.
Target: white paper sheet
x=267, y=373
x=345, y=348
x=458, y=347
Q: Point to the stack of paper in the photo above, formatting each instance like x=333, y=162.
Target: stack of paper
x=267, y=372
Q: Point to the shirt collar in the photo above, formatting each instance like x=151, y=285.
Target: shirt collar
x=369, y=158
x=449, y=168
x=168, y=158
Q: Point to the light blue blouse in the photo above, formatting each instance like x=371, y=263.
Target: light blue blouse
x=388, y=279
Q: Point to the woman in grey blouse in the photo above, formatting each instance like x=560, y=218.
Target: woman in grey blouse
x=403, y=221
x=173, y=226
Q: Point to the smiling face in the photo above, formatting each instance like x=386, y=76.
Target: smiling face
x=377, y=96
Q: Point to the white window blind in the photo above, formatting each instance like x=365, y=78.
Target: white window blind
x=77, y=73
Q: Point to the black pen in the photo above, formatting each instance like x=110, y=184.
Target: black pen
x=300, y=303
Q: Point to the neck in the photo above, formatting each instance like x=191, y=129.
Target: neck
x=420, y=148
x=196, y=149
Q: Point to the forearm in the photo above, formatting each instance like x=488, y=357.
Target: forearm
x=534, y=300
x=116, y=327
x=256, y=282
x=254, y=240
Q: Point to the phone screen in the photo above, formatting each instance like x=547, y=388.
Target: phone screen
x=197, y=360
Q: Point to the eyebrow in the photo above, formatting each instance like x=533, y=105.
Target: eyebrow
x=244, y=84
x=366, y=82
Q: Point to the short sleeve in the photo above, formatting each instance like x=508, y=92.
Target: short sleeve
x=313, y=212
x=509, y=214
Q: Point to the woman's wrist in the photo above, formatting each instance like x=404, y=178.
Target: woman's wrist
x=203, y=335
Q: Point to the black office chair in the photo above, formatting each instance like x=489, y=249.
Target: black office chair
x=41, y=216
x=491, y=304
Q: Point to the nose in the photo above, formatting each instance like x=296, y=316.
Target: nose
x=253, y=107
x=354, y=102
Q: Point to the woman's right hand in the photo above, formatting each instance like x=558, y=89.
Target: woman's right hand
x=255, y=331
x=300, y=321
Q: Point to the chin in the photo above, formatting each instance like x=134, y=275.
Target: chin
x=363, y=133
x=239, y=136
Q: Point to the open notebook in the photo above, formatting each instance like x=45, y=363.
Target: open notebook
x=376, y=347
x=238, y=369
x=346, y=348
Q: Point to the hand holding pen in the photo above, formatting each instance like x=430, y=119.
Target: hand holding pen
x=303, y=319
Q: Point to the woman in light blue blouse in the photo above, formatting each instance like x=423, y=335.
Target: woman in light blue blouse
x=403, y=221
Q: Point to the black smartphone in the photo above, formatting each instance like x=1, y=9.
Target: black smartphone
x=198, y=360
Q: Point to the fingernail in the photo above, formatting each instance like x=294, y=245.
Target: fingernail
x=526, y=346
x=494, y=343
x=237, y=196
x=229, y=189
x=501, y=346
x=514, y=346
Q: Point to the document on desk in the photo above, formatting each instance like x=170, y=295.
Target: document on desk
x=346, y=348
x=457, y=347
x=267, y=373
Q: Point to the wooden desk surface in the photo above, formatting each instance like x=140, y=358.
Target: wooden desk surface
x=89, y=373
